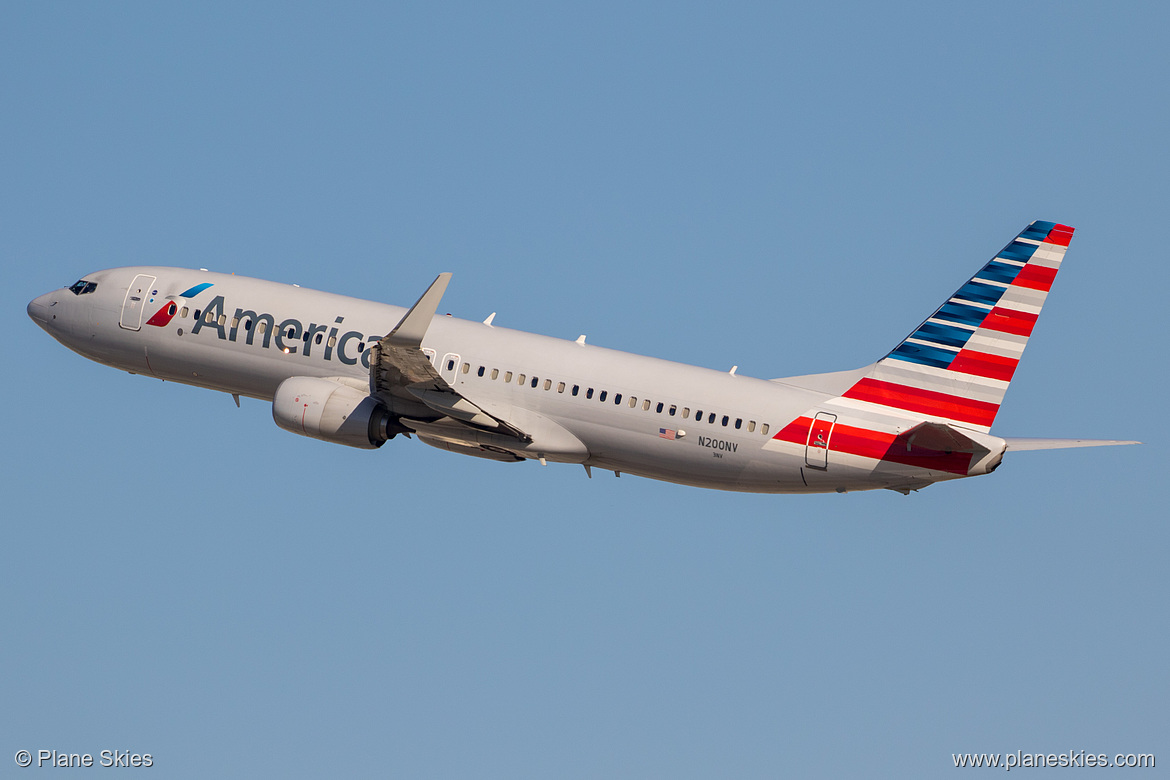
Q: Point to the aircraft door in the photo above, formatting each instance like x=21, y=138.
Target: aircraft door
x=138, y=295
x=816, y=451
x=449, y=368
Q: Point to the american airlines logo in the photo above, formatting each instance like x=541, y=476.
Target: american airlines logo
x=289, y=336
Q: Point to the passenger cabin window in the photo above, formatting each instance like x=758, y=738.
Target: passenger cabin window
x=508, y=376
x=738, y=423
x=576, y=389
x=726, y=420
x=589, y=392
x=183, y=312
x=332, y=342
x=711, y=418
x=235, y=320
x=320, y=338
x=450, y=365
x=699, y=415
x=520, y=380
x=646, y=405
x=262, y=327
x=560, y=387
x=602, y=396
x=751, y=426
x=764, y=429
x=617, y=398
x=686, y=412
x=673, y=409
x=548, y=384
x=495, y=373
x=633, y=401
x=481, y=370
x=535, y=382
x=660, y=406
x=466, y=367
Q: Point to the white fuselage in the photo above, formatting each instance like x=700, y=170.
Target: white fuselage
x=629, y=413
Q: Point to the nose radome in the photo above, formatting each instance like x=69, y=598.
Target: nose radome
x=38, y=309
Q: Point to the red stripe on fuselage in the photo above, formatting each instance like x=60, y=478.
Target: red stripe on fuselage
x=878, y=446
x=915, y=399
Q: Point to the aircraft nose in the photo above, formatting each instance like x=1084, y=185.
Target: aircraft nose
x=39, y=309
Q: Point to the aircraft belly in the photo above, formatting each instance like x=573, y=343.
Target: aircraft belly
x=739, y=465
x=205, y=361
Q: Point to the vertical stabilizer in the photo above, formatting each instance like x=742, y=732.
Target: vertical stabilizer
x=957, y=365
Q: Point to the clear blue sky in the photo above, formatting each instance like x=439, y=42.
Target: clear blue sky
x=786, y=188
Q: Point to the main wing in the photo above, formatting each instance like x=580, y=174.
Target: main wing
x=399, y=368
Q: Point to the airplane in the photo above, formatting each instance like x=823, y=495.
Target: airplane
x=359, y=373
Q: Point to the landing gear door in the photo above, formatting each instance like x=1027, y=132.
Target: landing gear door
x=816, y=451
x=138, y=296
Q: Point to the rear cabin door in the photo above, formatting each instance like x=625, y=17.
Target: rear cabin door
x=816, y=451
x=138, y=295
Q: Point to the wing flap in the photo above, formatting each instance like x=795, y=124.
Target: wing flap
x=453, y=405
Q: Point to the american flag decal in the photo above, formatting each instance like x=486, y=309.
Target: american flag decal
x=664, y=433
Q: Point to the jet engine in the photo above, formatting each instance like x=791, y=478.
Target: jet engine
x=332, y=411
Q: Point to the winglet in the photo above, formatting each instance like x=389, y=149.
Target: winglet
x=410, y=331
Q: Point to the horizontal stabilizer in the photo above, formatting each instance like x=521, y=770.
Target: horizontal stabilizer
x=938, y=437
x=1019, y=445
x=979, y=452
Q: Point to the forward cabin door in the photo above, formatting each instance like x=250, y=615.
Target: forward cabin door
x=137, y=295
x=816, y=451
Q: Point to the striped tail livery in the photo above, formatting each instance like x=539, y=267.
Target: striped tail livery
x=923, y=413
x=957, y=365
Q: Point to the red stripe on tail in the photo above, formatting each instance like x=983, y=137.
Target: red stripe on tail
x=914, y=399
x=1019, y=323
x=1035, y=277
x=968, y=361
x=1060, y=234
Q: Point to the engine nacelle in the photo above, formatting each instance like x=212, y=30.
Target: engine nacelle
x=331, y=411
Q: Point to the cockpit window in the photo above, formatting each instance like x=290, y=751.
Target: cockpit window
x=82, y=287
